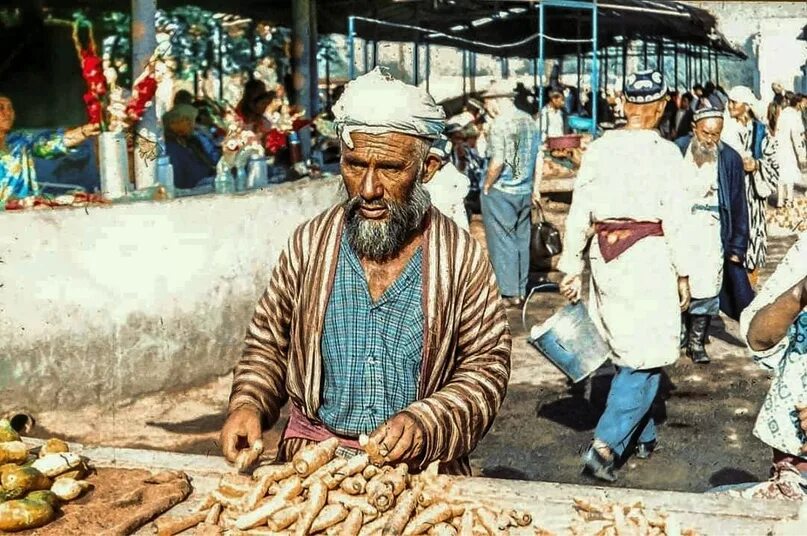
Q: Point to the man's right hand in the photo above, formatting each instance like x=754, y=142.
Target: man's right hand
x=571, y=287
x=684, y=296
x=240, y=431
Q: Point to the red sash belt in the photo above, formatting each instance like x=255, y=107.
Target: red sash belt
x=301, y=427
x=617, y=236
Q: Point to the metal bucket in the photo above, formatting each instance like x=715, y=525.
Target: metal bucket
x=570, y=340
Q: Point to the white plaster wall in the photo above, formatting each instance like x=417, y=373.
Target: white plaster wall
x=109, y=303
x=781, y=55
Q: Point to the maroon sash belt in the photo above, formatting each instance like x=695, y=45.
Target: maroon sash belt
x=301, y=427
x=617, y=236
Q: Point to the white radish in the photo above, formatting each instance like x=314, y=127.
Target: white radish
x=55, y=464
x=68, y=489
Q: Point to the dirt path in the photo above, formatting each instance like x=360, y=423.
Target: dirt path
x=706, y=415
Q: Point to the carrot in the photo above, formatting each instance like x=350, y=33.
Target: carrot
x=290, y=489
x=352, y=525
x=235, y=484
x=317, y=497
x=467, y=524
x=329, y=516
x=285, y=518
x=326, y=474
x=374, y=451
x=354, y=465
x=520, y=517
x=437, y=513
x=276, y=472
x=442, y=529
x=247, y=457
x=375, y=527
x=228, y=500
x=352, y=501
x=370, y=471
x=488, y=520
x=212, y=517
x=206, y=504
x=397, y=478
x=380, y=493
x=206, y=529
x=174, y=525
x=312, y=457
x=258, y=492
x=354, y=485
x=403, y=512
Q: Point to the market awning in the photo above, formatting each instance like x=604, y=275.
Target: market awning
x=497, y=27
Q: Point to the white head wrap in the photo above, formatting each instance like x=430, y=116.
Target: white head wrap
x=742, y=94
x=377, y=103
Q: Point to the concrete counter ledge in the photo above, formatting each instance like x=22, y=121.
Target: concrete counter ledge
x=103, y=304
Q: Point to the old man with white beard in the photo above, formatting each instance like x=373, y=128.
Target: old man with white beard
x=715, y=191
x=381, y=317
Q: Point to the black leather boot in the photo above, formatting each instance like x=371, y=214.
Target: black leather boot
x=685, y=319
x=696, y=349
x=598, y=466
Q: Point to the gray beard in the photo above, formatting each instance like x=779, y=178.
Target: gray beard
x=702, y=153
x=381, y=240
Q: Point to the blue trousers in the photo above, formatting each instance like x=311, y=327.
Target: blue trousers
x=507, y=232
x=705, y=306
x=627, y=411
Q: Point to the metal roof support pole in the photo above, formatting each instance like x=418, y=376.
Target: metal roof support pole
x=144, y=42
x=365, y=50
x=351, y=47
x=375, y=54
x=416, y=62
x=717, y=68
x=472, y=70
x=541, y=64
x=605, y=69
x=660, y=57
x=220, y=63
x=709, y=59
x=595, y=93
x=700, y=64
x=535, y=73
x=624, y=61
x=579, y=58
x=428, y=65
x=644, y=53
x=464, y=73
x=688, y=66
x=675, y=63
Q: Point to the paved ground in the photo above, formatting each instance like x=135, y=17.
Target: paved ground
x=706, y=414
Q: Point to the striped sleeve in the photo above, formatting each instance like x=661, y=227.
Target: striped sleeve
x=458, y=415
x=260, y=375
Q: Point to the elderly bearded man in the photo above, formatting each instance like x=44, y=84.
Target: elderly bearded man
x=381, y=317
x=715, y=189
x=628, y=191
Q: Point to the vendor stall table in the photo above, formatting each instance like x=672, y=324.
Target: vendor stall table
x=551, y=504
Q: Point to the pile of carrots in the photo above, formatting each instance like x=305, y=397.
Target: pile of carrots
x=32, y=488
x=608, y=519
x=321, y=493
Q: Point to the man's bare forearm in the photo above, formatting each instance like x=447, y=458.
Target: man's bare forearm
x=770, y=324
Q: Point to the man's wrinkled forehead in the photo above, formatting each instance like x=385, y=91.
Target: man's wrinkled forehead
x=391, y=143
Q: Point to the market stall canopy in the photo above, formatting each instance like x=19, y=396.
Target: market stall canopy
x=497, y=27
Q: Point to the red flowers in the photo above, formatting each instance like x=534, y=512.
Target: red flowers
x=93, y=72
x=275, y=141
x=144, y=90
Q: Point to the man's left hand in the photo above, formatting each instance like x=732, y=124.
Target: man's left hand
x=400, y=439
x=684, y=296
x=734, y=259
x=750, y=165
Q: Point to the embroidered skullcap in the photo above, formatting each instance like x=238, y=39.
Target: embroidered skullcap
x=644, y=87
x=709, y=107
x=377, y=103
x=441, y=148
x=180, y=111
x=743, y=95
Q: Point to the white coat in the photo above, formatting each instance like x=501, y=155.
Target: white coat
x=633, y=299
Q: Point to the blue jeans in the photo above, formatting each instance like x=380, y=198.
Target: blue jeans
x=627, y=411
x=507, y=232
x=705, y=306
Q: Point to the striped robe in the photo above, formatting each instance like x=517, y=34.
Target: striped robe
x=466, y=345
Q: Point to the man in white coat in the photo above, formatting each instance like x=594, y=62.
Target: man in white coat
x=628, y=193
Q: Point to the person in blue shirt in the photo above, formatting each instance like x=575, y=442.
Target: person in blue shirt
x=18, y=150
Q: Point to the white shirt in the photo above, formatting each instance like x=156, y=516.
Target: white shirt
x=553, y=126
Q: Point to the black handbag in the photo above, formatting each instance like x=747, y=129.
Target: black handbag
x=545, y=240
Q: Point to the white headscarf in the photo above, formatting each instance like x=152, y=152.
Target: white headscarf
x=377, y=103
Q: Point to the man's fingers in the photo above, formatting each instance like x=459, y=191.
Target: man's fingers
x=401, y=446
x=229, y=441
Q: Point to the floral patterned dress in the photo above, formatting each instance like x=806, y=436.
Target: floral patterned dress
x=17, y=173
